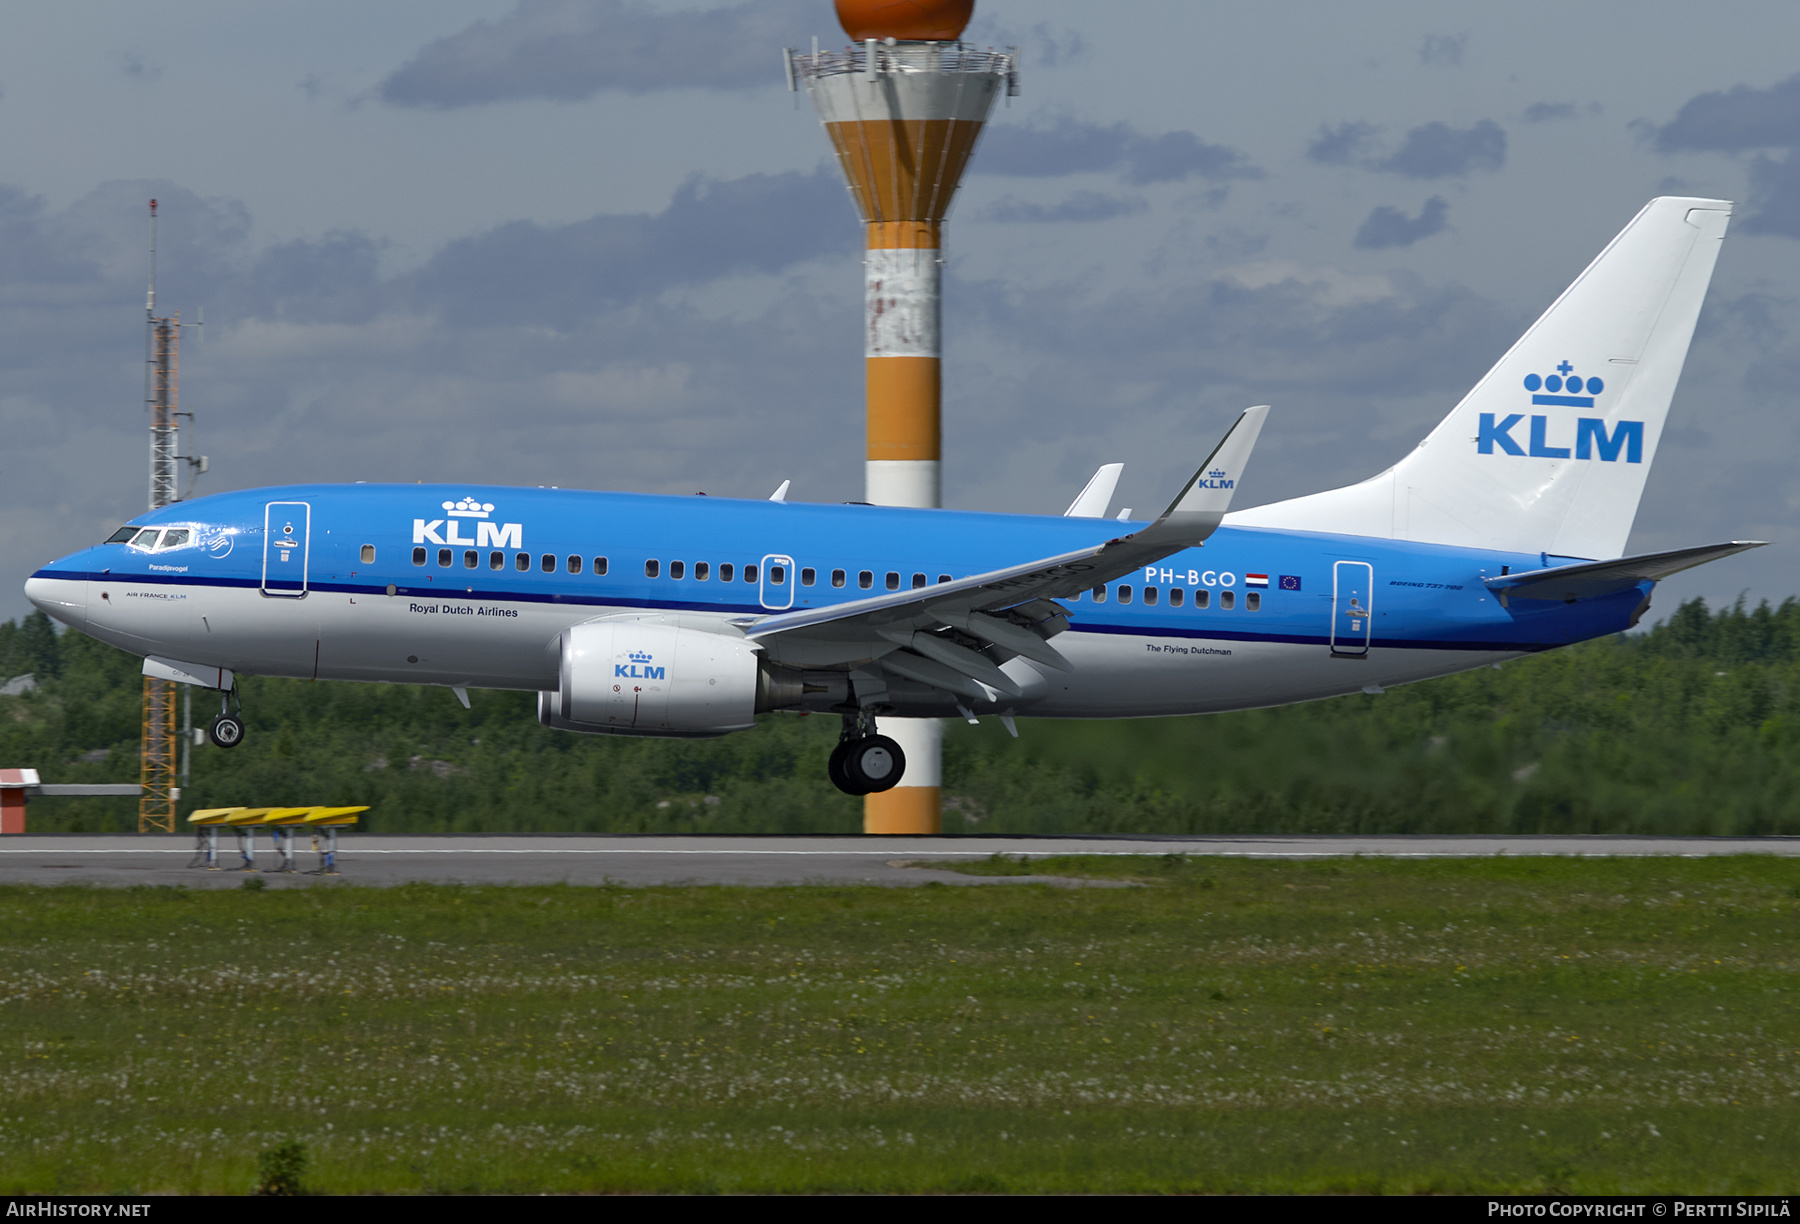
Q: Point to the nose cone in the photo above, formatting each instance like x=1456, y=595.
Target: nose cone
x=61, y=596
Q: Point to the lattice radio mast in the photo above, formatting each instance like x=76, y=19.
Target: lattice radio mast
x=162, y=364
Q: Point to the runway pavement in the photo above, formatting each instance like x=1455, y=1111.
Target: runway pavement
x=547, y=858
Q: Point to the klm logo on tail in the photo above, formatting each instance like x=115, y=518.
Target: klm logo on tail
x=1563, y=389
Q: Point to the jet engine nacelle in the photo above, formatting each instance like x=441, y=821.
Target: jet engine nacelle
x=648, y=678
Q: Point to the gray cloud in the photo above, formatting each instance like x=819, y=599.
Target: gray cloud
x=1069, y=146
x=1736, y=119
x=1389, y=227
x=134, y=65
x=1774, y=197
x=1081, y=206
x=1430, y=151
x=569, y=50
x=1347, y=144
x=559, y=274
x=1541, y=112
x=1442, y=50
x=1437, y=150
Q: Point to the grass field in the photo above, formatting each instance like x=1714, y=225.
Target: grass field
x=1359, y=1025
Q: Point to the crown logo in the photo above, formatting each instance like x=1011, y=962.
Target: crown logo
x=1217, y=473
x=468, y=507
x=640, y=656
x=1564, y=388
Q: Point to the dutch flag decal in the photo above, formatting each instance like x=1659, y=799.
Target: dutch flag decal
x=1256, y=580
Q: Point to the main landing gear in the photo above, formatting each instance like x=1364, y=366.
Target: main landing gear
x=227, y=730
x=865, y=763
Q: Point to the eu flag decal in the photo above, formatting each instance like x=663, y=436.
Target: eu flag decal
x=1290, y=582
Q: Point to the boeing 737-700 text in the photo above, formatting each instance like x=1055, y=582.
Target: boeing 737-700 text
x=1501, y=534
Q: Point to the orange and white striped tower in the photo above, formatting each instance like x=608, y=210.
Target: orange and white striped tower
x=904, y=107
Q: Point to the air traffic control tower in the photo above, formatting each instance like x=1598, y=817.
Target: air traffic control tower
x=904, y=106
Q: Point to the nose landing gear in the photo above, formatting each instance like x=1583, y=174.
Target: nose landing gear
x=227, y=730
x=864, y=763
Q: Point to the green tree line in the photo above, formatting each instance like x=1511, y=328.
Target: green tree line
x=1690, y=728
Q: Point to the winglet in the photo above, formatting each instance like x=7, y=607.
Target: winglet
x=780, y=494
x=1197, y=510
x=1093, y=500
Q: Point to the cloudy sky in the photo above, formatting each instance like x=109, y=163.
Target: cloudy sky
x=597, y=243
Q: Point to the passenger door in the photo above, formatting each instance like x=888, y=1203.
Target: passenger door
x=1352, y=608
x=287, y=527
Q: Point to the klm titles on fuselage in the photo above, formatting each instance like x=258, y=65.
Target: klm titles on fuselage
x=1591, y=439
x=487, y=535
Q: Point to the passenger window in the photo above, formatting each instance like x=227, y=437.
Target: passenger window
x=702, y=571
x=573, y=564
x=918, y=581
x=1227, y=599
x=1202, y=598
x=1099, y=594
x=837, y=578
x=418, y=556
x=749, y=573
x=808, y=576
x=893, y=581
x=443, y=558
x=1150, y=594
x=496, y=560
x=942, y=578
x=1253, y=601
x=677, y=569
x=725, y=571
x=1124, y=594
x=865, y=579
x=778, y=575
x=368, y=554
x=521, y=561
x=179, y=536
x=1176, y=595
x=471, y=559
x=652, y=568
x=600, y=567
x=547, y=563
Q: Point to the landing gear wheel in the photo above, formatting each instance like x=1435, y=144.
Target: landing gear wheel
x=834, y=769
x=874, y=763
x=227, y=731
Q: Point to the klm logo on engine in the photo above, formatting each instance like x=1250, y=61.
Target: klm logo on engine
x=1590, y=437
x=487, y=535
x=639, y=668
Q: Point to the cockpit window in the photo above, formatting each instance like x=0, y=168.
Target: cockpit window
x=176, y=537
x=146, y=539
x=121, y=535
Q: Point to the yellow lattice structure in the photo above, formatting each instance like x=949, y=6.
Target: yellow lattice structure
x=156, y=804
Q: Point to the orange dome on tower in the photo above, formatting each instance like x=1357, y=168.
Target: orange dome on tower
x=906, y=20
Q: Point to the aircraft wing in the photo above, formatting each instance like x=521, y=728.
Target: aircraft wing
x=947, y=635
x=1567, y=583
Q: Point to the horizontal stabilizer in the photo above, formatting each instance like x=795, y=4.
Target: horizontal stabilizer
x=1567, y=583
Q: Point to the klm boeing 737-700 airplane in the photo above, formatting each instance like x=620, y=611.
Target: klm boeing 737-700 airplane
x=1501, y=534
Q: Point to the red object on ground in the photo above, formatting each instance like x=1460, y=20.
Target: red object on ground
x=12, y=798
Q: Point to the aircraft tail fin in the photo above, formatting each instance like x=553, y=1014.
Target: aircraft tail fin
x=1549, y=452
